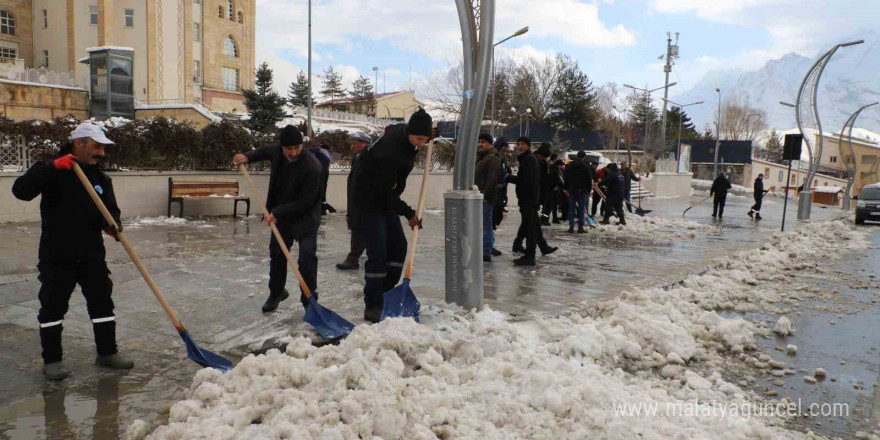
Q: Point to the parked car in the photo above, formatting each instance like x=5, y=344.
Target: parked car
x=592, y=156
x=868, y=204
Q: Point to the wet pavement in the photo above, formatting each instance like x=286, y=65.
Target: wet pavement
x=214, y=271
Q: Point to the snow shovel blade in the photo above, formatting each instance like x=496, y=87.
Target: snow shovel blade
x=203, y=357
x=400, y=302
x=328, y=324
x=642, y=212
x=591, y=221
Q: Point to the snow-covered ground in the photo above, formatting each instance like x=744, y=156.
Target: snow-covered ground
x=487, y=376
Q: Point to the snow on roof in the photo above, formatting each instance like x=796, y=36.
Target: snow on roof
x=198, y=108
x=828, y=189
x=100, y=48
x=54, y=86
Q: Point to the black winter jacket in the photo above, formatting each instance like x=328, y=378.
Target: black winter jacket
x=527, y=180
x=614, y=184
x=720, y=186
x=352, y=215
x=628, y=178
x=759, y=189
x=71, y=223
x=305, y=187
x=381, y=172
x=578, y=176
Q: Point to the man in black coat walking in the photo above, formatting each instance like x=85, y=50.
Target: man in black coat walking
x=359, y=142
x=614, y=193
x=755, y=212
x=719, y=189
x=72, y=248
x=294, y=202
x=579, y=181
x=379, y=180
x=628, y=177
x=528, y=194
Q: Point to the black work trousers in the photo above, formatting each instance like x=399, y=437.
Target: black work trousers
x=307, y=262
x=358, y=246
x=615, y=205
x=530, y=230
x=58, y=279
x=718, y=205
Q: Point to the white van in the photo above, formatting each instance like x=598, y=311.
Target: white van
x=592, y=156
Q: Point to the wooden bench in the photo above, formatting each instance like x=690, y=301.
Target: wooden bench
x=180, y=190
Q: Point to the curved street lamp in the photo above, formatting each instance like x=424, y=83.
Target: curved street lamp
x=850, y=159
x=515, y=34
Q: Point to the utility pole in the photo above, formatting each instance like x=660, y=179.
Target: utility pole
x=717, y=137
x=671, y=55
x=309, y=118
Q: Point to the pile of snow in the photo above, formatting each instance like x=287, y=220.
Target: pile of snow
x=479, y=375
x=652, y=227
x=154, y=221
x=783, y=326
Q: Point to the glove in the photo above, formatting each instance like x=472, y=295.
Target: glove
x=415, y=221
x=113, y=232
x=64, y=162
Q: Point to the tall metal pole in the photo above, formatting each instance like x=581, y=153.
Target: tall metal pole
x=850, y=168
x=494, y=79
x=309, y=120
x=785, y=204
x=671, y=53
x=717, y=136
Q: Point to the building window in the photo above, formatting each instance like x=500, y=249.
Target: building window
x=7, y=53
x=129, y=18
x=833, y=159
x=45, y=19
x=780, y=177
x=229, y=48
x=7, y=23
x=196, y=29
x=220, y=11
x=240, y=17
x=46, y=58
x=197, y=69
x=767, y=172
x=229, y=10
x=93, y=15
x=230, y=79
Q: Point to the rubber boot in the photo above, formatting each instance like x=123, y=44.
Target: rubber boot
x=271, y=304
x=114, y=362
x=55, y=371
x=373, y=314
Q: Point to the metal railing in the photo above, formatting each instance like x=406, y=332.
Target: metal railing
x=44, y=76
x=14, y=155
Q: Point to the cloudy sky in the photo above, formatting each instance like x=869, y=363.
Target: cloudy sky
x=613, y=40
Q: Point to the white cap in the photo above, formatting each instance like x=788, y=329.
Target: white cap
x=89, y=130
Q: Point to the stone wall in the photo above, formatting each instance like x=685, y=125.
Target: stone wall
x=23, y=38
x=23, y=101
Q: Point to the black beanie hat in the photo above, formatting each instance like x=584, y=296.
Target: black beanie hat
x=544, y=150
x=486, y=137
x=524, y=139
x=419, y=123
x=500, y=143
x=290, y=136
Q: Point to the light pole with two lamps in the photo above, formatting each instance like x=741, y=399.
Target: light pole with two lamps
x=521, y=116
x=494, y=81
x=647, y=104
x=680, y=112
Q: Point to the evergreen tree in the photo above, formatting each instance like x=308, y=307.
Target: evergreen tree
x=708, y=134
x=298, y=93
x=673, y=116
x=502, y=97
x=573, y=102
x=362, y=93
x=332, y=88
x=772, y=150
x=642, y=113
x=264, y=105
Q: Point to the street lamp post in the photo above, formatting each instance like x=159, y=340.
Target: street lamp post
x=494, y=80
x=680, y=110
x=521, y=116
x=851, y=167
x=717, y=136
x=647, y=103
x=619, y=126
x=309, y=109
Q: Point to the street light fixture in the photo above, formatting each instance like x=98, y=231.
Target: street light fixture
x=717, y=136
x=521, y=116
x=515, y=34
x=680, y=107
x=619, y=126
x=647, y=95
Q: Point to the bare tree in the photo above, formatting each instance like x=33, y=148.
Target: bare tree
x=740, y=121
x=445, y=90
x=534, y=80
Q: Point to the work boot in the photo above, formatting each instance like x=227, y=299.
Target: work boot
x=271, y=304
x=605, y=222
x=751, y=213
x=581, y=230
x=571, y=229
x=714, y=215
x=373, y=314
x=622, y=223
x=525, y=260
x=518, y=247
x=557, y=221
x=348, y=265
x=547, y=250
x=758, y=216
x=487, y=258
x=114, y=362
x=496, y=252
x=55, y=371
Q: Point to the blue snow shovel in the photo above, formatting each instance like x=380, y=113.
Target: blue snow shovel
x=401, y=301
x=328, y=324
x=201, y=356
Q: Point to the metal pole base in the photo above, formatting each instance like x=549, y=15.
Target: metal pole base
x=464, y=248
x=804, y=205
x=847, y=203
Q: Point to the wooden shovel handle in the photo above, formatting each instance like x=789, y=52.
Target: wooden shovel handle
x=125, y=244
x=411, y=253
x=302, y=282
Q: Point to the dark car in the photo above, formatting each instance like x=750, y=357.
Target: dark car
x=868, y=205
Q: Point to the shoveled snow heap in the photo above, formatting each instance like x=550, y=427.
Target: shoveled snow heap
x=653, y=227
x=153, y=221
x=480, y=376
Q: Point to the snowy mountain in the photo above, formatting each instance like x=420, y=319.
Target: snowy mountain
x=850, y=81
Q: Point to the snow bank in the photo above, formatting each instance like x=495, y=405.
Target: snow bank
x=653, y=227
x=480, y=376
x=154, y=221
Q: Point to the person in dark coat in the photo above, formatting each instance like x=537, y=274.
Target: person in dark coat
x=487, y=174
x=359, y=142
x=322, y=153
x=556, y=186
x=379, y=179
x=719, y=189
x=294, y=202
x=543, y=153
x=528, y=194
x=598, y=177
x=578, y=181
x=628, y=177
x=71, y=246
x=755, y=212
x=614, y=192
x=500, y=206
